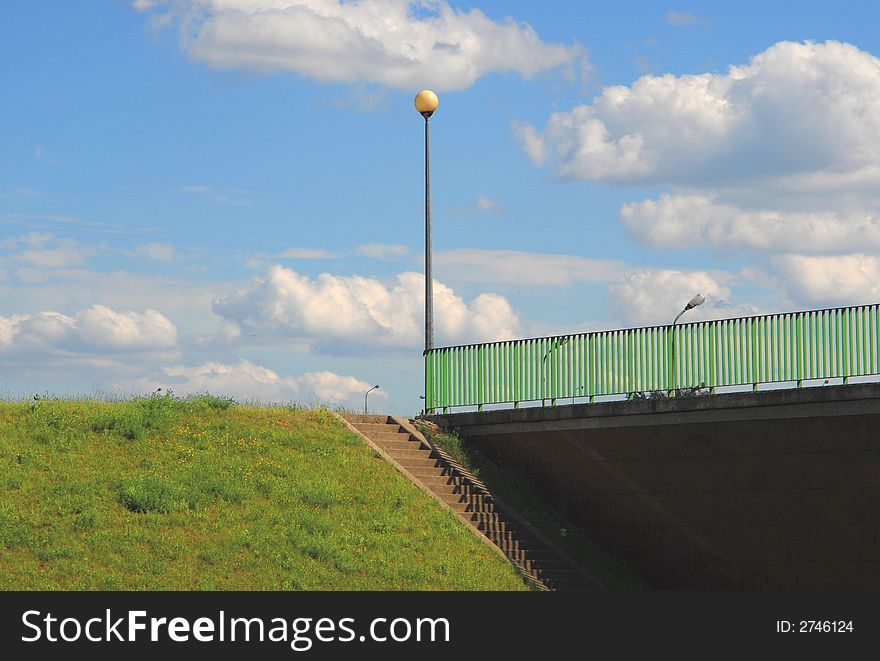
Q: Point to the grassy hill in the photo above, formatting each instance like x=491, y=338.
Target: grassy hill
x=163, y=493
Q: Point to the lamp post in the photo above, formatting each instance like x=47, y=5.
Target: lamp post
x=365, y=397
x=699, y=299
x=554, y=345
x=426, y=103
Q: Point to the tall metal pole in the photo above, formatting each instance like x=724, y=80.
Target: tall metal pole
x=699, y=299
x=426, y=103
x=429, y=277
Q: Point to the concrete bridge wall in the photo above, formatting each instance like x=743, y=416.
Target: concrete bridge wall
x=776, y=489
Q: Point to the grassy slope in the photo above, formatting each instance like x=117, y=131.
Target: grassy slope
x=162, y=493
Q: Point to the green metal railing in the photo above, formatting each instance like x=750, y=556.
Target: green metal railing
x=816, y=344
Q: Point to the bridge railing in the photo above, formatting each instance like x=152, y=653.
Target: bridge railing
x=814, y=344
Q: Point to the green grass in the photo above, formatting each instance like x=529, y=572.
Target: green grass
x=163, y=493
x=515, y=489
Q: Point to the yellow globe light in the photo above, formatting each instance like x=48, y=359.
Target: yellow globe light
x=426, y=102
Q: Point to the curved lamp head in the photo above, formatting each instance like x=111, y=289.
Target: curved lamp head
x=699, y=299
x=365, y=397
x=426, y=103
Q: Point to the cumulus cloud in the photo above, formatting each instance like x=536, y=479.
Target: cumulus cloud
x=335, y=313
x=516, y=267
x=98, y=329
x=796, y=109
x=687, y=221
x=829, y=280
x=777, y=160
x=654, y=296
x=405, y=44
x=245, y=380
x=43, y=250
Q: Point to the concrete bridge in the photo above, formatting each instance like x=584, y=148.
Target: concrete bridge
x=773, y=489
x=776, y=490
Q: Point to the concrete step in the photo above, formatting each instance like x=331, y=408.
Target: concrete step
x=540, y=555
x=500, y=526
x=394, y=446
x=474, y=498
x=466, y=508
x=433, y=480
x=390, y=437
x=519, y=540
x=356, y=418
x=491, y=519
x=512, y=530
x=429, y=473
x=542, y=565
x=512, y=548
x=420, y=463
x=460, y=489
x=412, y=453
x=472, y=502
x=368, y=428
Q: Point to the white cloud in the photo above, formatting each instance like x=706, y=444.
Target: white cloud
x=686, y=222
x=797, y=109
x=829, y=280
x=532, y=141
x=337, y=313
x=98, y=329
x=778, y=156
x=515, y=267
x=43, y=250
x=405, y=44
x=186, y=301
x=382, y=250
x=307, y=253
x=163, y=252
x=334, y=388
x=655, y=296
x=102, y=327
x=248, y=381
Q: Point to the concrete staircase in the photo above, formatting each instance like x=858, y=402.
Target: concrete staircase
x=542, y=564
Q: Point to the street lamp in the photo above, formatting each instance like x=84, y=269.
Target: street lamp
x=426, y=103
x=554, y=345
x=699, y=299
x=365, y=397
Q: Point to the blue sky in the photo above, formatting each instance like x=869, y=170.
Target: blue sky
x=226, y=195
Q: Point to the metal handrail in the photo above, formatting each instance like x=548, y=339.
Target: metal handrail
x=793, y=346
